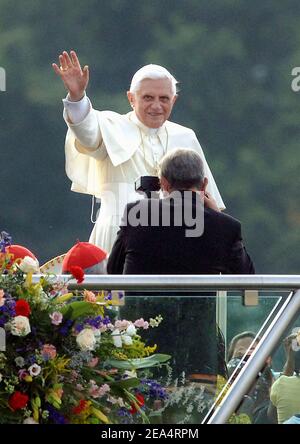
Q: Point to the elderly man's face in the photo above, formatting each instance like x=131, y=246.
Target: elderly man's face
x=153, y=101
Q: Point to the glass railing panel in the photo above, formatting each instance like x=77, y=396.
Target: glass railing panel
x=253, y=319
x=198, y=347
x=189, y=335
x=256, y=407
x=274, y=397
x=243, y=395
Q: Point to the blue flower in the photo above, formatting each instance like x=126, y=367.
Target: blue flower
x=108, y=297
x=64, y=329
x=55, y=416
x=155, y=390
x=5, y=240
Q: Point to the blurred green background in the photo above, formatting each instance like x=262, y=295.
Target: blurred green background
x=233, y=59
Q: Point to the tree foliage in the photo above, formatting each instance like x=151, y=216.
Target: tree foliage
x=233, y=60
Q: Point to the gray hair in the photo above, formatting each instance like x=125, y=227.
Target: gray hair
x=100, y=268
x=183, y=169
x=152, y=72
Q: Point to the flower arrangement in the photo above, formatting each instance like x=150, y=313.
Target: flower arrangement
x=65, y=357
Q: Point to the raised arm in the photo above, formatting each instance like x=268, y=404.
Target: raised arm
x=289, y=366
x=78, y=114
x=73, y=76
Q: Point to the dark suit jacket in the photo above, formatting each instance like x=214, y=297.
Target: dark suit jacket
x=167, y=250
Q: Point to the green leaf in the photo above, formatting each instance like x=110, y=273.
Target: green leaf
x=125, y=383
x=77, y=309
x=150, y=361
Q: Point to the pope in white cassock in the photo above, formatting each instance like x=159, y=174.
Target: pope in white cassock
x=106, y=151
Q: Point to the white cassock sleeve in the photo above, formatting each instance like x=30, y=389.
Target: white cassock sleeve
x=116, y=137
x=212, y=186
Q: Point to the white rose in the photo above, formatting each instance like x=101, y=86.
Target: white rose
x=86, y=339
x=20, y=326
x=97, y=334
x=29, y=420
x=29, y=265
x=117, y=338
x=127, y=339
x=131, y=330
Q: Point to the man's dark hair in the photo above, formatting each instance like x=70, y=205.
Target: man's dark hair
x=235, y=339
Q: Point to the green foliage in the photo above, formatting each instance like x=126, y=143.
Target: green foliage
x=150, y=361
x=79, y=308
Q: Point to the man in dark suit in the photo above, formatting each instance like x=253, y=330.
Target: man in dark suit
x=184, y=233
x=150, y=242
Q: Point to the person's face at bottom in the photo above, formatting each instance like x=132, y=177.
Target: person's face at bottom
x=153, y=101
x=242, y=346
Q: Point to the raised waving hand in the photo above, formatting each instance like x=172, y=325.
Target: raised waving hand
x=73, y=76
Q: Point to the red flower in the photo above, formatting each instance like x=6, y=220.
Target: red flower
x=18, y=400
x=77, y=272
x=22, y=308
x=81, y=406
x=140, y=401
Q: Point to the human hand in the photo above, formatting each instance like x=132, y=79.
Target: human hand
x=288, y=342
x=289, y=366
x=73, y=76
x=210, y=202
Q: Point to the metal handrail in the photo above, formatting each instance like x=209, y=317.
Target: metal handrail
x=182, y=281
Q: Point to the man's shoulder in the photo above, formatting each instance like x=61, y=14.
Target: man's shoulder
x=223, y=218
x=178, y=129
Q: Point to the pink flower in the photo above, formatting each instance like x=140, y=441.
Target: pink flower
x=140, y=323
x=96, y=392
x=89, y=296
x=22, y=374
x=74, y=375
x=2, y=298
x=122, y=325
x=103, y=328
x=48, y=351
x=56, y=318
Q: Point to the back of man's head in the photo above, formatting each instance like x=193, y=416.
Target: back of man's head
x=152, y=72
x=183, y=169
